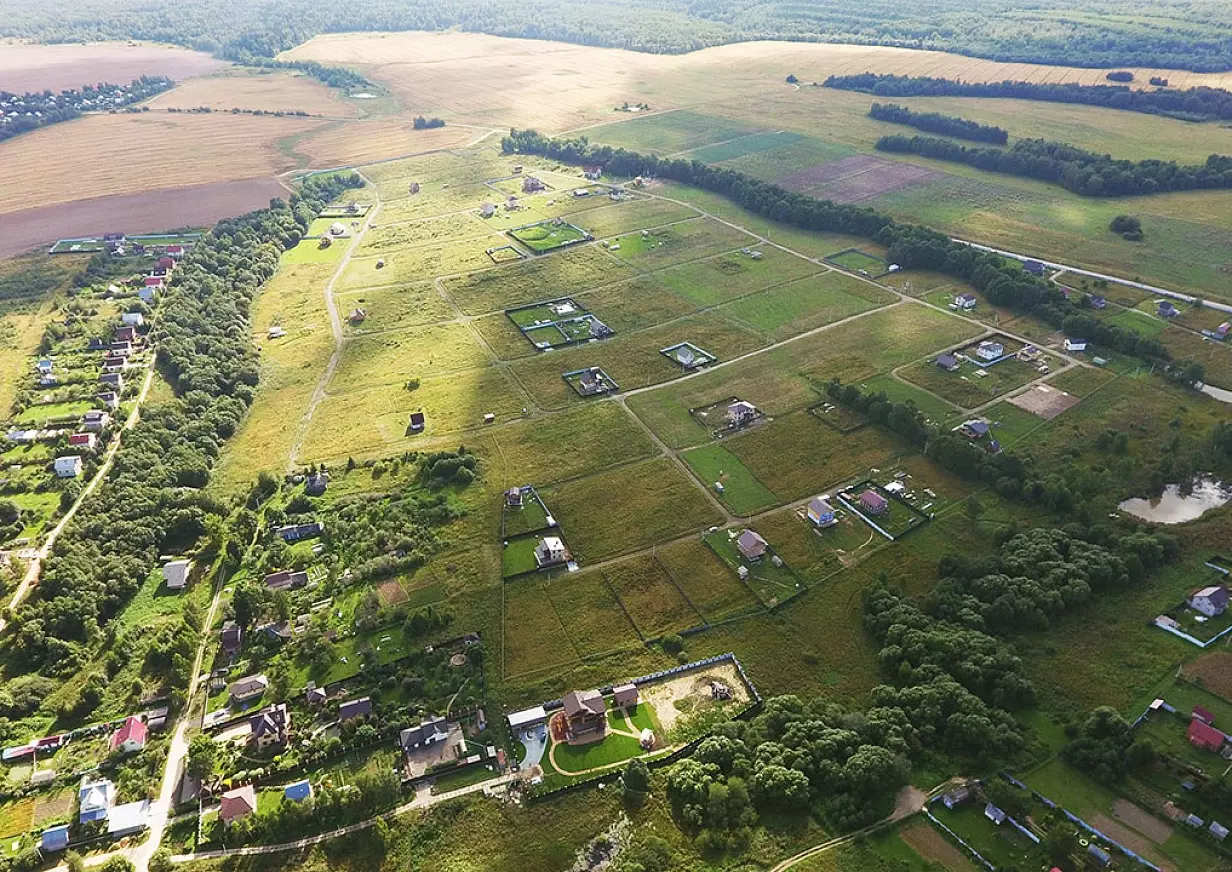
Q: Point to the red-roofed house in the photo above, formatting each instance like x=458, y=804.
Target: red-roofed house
x=237, y=803
x=175, y=251
x=1204, y=715
x=1205, y=736
x=154, y=281
x=130, y=738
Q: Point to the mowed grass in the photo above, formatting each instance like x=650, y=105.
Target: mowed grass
x=742, y=492
x=393, y=306
x=595, y=623
x=899, y=391
x=669, y=133
x=433, y=199
x=718, y=279
x=389, y=358
x=966, y=389
x=677, y=243
x=745, y=145
x=806, y=304
x=705, y=580
x=636, y=304
x=628, y=508
x=557, y=275
x=311, y=251
x=533, y=635
x=411, y=264
x=650, y=596
x=630, y=215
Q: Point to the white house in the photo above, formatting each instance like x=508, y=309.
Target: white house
x=550, y=551
x=989, y=350
x=1075, y=345
x=68, y=466
x=132, y=319
x=1210, y=601
x=175, y=573
x=965, y=301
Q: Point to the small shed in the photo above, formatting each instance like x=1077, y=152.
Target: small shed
x=56, y=838
x=625, y=696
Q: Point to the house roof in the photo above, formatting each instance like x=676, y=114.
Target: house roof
x=871, y=497
x=946, y=360
x=128, y=818
x=355, y=708
x=273, y=720
x=54, y=838
x=584, y=702
x=751, y=542
x=1205, y=734
x=238, y=803
x=625, y=694
x=432, y=730
x=133, y=730
x=966, y=298
x=820, y=506
x=979, y=427
x=1204, y=714
x=250, y=685
x=1216, y=593
x=527, y=717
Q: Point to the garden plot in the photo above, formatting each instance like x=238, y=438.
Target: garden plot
x=567, y=273
x=1045, y=401
x=705, y=580
x=529, y=514
x=590, y=381
x=391, y=307
x=522, y=555
x=736, y=486
x=632, y=214
x=856, y=178
x=768, y=577
x=861, y=262
x=545, y=236
x=971, y=382
x=718, y=279
x=557, y=323
x=884, y=507
x=411, y=264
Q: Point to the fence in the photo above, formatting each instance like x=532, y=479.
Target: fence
x=953, y=835
x=1167, y=628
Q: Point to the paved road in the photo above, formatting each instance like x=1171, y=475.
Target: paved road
x=1176, y=295
x=35, y=568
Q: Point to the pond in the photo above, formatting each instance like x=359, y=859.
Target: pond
x=1173, y=507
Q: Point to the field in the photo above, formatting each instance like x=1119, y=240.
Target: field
x=30, y=67
x=742, y=492
x=547, y=236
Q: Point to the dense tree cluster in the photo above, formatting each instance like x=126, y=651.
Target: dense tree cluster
x=935, y=122
x=1077, y=170
x=903, y=418
x=21, y=113
x=1193, y=104
x=422, y=123
x=152, y=502
x=1120, y=76
x=1103, y=746
x=336, y=77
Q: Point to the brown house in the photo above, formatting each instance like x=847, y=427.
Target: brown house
x=585, y=715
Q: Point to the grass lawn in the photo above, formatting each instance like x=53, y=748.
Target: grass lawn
x=859, y=262
x=965, y=387
x=742, y=492
x=615, y=748
x=530, y=518
x=475, y=774
x=310, y=251
x=898, y=391
x=803, y=305
x=519, y=556
x=1002, y=845
x=1010, y=423
x=771, y=583
x=728, y=276
x=548, y=235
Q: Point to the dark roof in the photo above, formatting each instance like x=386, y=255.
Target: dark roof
x=355, y=708
x=274, y=719
x=412, y=737
x=947, y=360
x=584, y=702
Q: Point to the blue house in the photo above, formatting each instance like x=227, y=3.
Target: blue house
x=1034, y=267
x=1167, y=310
x=820, y=512
x=1099, y=855
x=95, y=799
x=1098, y=302
x=298, y=792
x=54, y=838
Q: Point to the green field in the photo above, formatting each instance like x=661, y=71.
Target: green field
x=859, y=262
x=548, y=235
x=742, y=492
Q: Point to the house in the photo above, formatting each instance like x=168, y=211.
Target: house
x=625, y=696
x=1210, y=601
x=316, y=696
x=112, y=380
x=276, y=632
x=1166, y=310
x=249, y=687
x=110, y=399
x=153, y=281
x=1221, y=332
x=88, y=441
x=286, y=579
x=948, y=362
x=317, y=483
x=95, y=799
x=131, y=736
x=1099, y=855
x=751, y=546
x=989, y=350
x=1205, y=736
x=417, y=422
x=299, y=791
x=355, y=708
x=237, y=803
x=994, y=814
x=68, y=466
x=874, y=502
x=1075, y=344
x=146, y=294
x=44, y=366
x=1218, y=830
x=296, y=532
x=270, y=726
x=487, y=210
x=132, y=319
x=550, y=552
x=966, y=301
x=589, y=382
x=527, y=719
x=54, y=838
x=127, y=335
x=531, y=185
x=513, y=498
x=337, y=229
x=956, y=797
x=1034, y=267
x=96, y=343
x=1098, y=302
x=585, y=713
x=175, y=252
x=167, y=263
x=232, y=638
x=740, y=413
x=95, y=421
x=974, y=429
x=1202, y=714
x=821, y=513
x=593, y=173
x=599, y=330
x=430, y=732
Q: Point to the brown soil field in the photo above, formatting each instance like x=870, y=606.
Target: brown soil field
x=1045, y=401
x=270, y=90
x=194, y=206
x=26, y=67
x=1214, y=670
x=855, y=178
x=1150, y=826
x=353, y=142
x=1131, y=839
x=556, y=86
x=933, y=847
x=126, y=154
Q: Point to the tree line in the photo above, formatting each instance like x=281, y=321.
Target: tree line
x=1191, y=104
x=152, y=503
x=1077, y=170
x=1002, y=282
x=935, y=122
x=21, y=113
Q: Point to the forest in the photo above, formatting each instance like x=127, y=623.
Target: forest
x=152, y=503
x=1190, y=35
x=935, y=122
x=1192, y=104
x=1078, y=171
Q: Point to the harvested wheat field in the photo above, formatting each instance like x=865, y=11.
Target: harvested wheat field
x=356, y=142
x=195, y=206
x=126, y=154
x=37, y=67
x=270, y=90
x=556, y=86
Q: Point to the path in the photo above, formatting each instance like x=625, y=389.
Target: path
x=335, y=323
x=35, y=568
x=1176, y=295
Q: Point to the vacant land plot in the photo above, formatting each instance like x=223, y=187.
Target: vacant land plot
x=855, y=179
x=717, y=279
x=390, y=307
x=631, y=215
x=407, y=265
x=705, y=580
x=927, y=841
x=651, y=598
x=428, y=231
x=966, y=387
x=246, y=88
x=899, y=391
x=636, y=304
x=593, y=618
x=754, y=143
x=566, y=273
x=669, y=133
x=857, y=261
x=534, y=636
x=388, y=358
x=715, y=466
x=806, y=304
x=1215, y=357
x=1214, y=671
x=1081, y=380
x=677, y=243
x=657, y=502
x=1045, y=401
x=30, y=67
